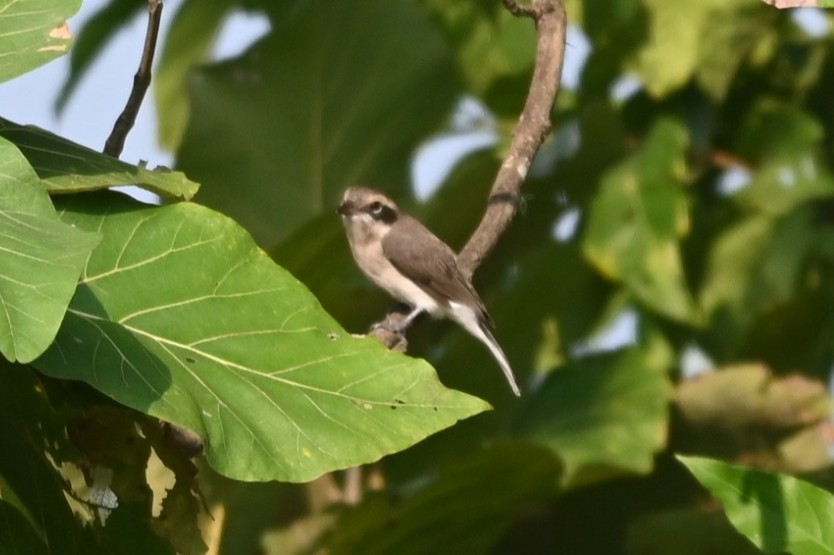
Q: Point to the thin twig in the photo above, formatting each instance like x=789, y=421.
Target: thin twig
x=533, y=127
x=141, y=81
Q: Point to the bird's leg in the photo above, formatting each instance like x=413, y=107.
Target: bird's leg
x=394, y=321
x=410, y=318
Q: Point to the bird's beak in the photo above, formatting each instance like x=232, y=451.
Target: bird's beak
x=346, y=208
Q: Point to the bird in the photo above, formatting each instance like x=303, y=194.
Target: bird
x=400, y=255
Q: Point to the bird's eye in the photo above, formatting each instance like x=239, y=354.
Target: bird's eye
x=376, y=207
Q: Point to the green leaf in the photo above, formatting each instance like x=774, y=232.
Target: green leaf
x=491, y=43
x=189, y=41
x=92, y=38
x=181, y=316
x=636, y=220
x=776, y=130
x=752, y=267
x=668, y=59
x=602, y=415
x=678, y=31
x=40, y=260
x=780, y=186
x=784, y=141
x=320, y=104
x=778, y=513
x=465, y=509
x=32, y=33
x=67, y=167
x=730, y=34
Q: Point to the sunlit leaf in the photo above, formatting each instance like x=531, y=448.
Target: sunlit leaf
x=67, y=167
x=730, y=33
x=40, y=260
x=32, y=33
x=778, y=513
x=491, y=43
x=636, y=221
x=181, y=316
x=668, y=60
x=677, y=32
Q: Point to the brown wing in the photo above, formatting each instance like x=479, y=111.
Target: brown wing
x=429, y=262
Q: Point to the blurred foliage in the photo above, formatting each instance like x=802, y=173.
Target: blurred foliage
x=694, y=214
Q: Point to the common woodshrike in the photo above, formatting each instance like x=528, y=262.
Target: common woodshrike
x=400, y=255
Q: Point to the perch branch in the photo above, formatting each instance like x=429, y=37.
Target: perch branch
x=518, y=10
x=532, y=128
x=141, y=81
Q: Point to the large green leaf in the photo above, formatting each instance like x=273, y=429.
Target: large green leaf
x=40, y=260
x=340, y=93
x=778, y=513
x=636, y=220
x=602, y=415
x=189, y=41
x=67, y=167
x=181, y=316
x=677, y=48
x=32, y=33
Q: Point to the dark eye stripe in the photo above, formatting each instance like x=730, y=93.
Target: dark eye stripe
x=382, y=214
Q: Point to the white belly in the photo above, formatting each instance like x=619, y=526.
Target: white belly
x=376, y=266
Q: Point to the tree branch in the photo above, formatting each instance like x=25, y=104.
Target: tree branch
x=141, y=81
x=533, y=127
x=518, y=10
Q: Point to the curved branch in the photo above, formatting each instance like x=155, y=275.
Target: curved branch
x=533, y=127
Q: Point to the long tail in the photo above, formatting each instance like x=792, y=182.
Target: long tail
x=489, y=340
x=479, y=328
